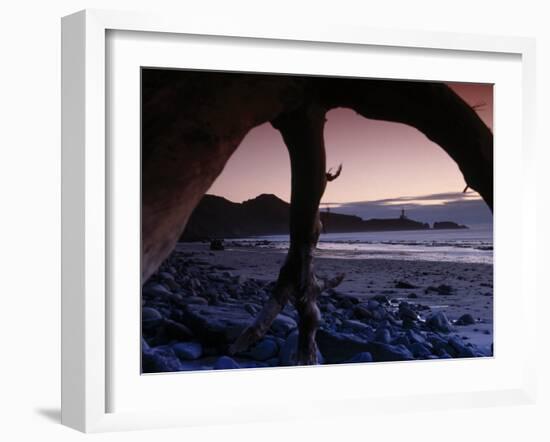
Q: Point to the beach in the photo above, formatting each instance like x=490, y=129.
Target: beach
x=384, y=309
x=471, y=284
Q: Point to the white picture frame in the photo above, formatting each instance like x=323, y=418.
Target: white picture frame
x=86, y=206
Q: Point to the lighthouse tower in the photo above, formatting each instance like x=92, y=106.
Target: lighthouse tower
x=403, y=216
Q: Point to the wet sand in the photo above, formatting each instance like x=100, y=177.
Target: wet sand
x=470, y=285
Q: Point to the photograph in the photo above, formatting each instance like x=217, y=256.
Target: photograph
x=297, y=220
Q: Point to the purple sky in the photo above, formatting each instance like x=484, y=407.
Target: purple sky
x=381, y=160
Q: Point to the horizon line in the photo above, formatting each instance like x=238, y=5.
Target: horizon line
x=406, y=199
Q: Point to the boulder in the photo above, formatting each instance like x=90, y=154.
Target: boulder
x=150, y=318
x=386, y=352
x=383, y=334
x=462, y=350
x=420, y=351
x=442, y=289
x=406, y=312
x=362, y=312
x=382, y=299
x=373, y=304
x=283, y=324
x=159, y=360
x=188, y=351
x=144, y=345
x=289, y=349
x=357, y=326
x=466, y=319
x=370, y=310
x=415, y=337
x=339, y=347
x=404, y=285
x=198, y=300
x=263, y=350
x=166, y=276
x=176, y=330
x=217, y=325
x=155, y=290
x=401, y=339
x=225, y=363
x=360, y=358
x=439, y=322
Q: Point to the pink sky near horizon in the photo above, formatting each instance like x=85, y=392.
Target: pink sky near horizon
x=380, y=159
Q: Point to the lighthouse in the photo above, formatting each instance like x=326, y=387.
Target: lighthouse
x=403, y=214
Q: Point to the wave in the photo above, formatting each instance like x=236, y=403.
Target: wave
x=471, y=246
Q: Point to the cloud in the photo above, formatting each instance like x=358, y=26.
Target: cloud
x=465, y=208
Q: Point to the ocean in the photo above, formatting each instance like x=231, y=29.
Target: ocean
x=473, y=245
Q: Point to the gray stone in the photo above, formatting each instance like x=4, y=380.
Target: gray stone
x=404, y=285
x=339, y=347
x=225, y=363
x=382, y=299
x=370, y=310
x=273, y=362
x=462, y=351
x=415, y=336
x=401, y=339
x=357, y=326
x=436, y=340
x=217, y=324
x=289, y=350
x=188, y=351
x=442, y=289
x=379, y=313
x=252, y=309
x=172, y=285
x=263, y=350
x=252, y=364
x=386, y=352
x=155, y=290
x=159, y=360
x=362, y=312
x=406, y=312
x=360, y=358
x=283, y=324
x=176, y=330
x=144, y=345
x=328, y=307
x=420, y=351
x=373, y=304
x=166, y=276
x=383, y=335
x=196, y=284
x=439, y=322
x=197, y=300
x=466, y=319
x=150, y=318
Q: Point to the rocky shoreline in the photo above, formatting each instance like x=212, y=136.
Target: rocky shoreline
x=198, y=303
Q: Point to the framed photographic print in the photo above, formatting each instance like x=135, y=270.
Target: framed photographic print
x=261, y=220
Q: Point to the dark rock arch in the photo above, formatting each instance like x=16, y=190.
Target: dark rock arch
x=192, y=122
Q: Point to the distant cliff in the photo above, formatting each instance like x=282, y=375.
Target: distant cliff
x=217, y=217
x=439, y=225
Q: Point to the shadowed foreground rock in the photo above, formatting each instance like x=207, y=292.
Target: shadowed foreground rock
x=347, y=335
